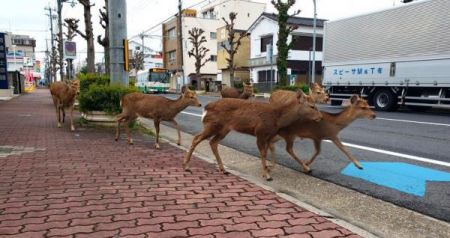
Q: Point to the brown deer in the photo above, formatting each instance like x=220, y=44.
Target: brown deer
x=63, y=95
x=316, y=94
x=155, y=107
x=326, y=129
x=229, y=92
x=260, y=119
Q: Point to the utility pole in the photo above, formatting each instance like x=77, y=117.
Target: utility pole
x=180, y=41
x=61, y=41
x=50, y=15
x=313, y=78
x=117, y=14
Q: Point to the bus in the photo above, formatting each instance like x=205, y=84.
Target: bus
x=153, y=80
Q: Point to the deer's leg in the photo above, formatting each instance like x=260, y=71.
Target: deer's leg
x=156, y=123
x=205, y=134
x=56, y=103
x=338, y=143
x=290, y=150
x=316, y=153
x=262, y=147
x=273, y=160
x=63, y=113
x=127, y=130
x=178, y=131
x=72, y=127
x=119, y=119
x=214, y=143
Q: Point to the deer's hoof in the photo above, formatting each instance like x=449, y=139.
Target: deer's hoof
x=225, y=172
x=72, y=128
x=358, y=166
x=188, y=170
x=116, y=139
x=269, y=179
x=59, y=125
x=157, y=146
x=130, y=142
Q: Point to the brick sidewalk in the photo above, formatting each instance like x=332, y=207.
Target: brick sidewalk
x=58, y=183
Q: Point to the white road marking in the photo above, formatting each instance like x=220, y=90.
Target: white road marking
x=192, y=114
x=416, y=122
x=386, y=152
x=405, y=156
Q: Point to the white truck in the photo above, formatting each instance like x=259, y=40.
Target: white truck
x=399, y=56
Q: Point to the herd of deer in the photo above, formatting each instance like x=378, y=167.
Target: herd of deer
x=287, y=115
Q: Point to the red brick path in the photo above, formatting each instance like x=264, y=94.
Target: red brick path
x=84, y=184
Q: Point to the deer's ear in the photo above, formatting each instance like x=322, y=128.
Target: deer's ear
x=354, y=99
x=300, y=96
x=309, y=91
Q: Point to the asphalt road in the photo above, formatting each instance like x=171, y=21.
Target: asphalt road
x=421, y=139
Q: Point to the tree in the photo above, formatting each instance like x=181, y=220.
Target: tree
x=138, y=62
x=54, y=62
x=232, y=44
x=104, y=22
x=88, y=35
x=283, y=33
x=198, y=51
x=69, y=36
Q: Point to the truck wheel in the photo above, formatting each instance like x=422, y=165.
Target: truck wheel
x=385, y=100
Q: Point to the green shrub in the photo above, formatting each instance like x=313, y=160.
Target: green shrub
x=88, y=79
x=132, y=81
x=103, y=98
x=295, y=87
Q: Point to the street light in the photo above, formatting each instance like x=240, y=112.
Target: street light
x=313, y=78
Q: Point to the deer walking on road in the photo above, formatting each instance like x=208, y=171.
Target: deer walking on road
x=229, y=92
x=64, y=95
x=260, y=119
x=326, y=129
x=156, y=108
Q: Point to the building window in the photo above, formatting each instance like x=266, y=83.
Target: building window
x=172, y=55
x=213, y=58
x=265, y=76
x=306, y=43
x=265, y=41
x=213, y=35
x=172, y=34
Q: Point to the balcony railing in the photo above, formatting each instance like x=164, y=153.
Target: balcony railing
x=261, y=61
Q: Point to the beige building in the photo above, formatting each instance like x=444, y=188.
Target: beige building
x=208, y=18
x=242, y=73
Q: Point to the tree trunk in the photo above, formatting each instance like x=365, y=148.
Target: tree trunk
x=90, y=40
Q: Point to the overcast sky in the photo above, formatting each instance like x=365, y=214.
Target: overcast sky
x=28, y=16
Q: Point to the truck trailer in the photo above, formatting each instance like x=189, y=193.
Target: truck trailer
x=399, y=56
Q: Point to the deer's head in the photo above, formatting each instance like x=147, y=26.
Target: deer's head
x=75, y=86
x=190, y=97
x=318, y=93
x=248, y=90
x=305, y=106
x=361, y=108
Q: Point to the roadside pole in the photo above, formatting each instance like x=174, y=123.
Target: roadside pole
x=180, y=42
x=118, y=48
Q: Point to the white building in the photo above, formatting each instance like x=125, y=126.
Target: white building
x=264, y=32
x=209, y=18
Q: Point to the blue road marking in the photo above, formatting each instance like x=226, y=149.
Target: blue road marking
x=403, y=177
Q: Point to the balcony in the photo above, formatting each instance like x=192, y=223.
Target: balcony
x=261, y=61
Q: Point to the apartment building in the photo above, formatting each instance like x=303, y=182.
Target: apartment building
x=264, y=32
x=208, y=18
